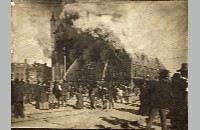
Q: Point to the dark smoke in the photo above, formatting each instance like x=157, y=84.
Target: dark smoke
x=84, y=45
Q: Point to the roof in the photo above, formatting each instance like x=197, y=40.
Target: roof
x=144, y=60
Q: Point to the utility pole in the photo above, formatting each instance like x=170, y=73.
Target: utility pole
x=65, y=62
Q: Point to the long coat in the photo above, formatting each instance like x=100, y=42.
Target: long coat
x=18, y=92
x=43, y=95
x=161, y=94
x=56, y=91
x=179, y=91
x=37, y=92
x=79, y=96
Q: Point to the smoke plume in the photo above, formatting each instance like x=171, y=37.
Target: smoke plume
x=147, y=27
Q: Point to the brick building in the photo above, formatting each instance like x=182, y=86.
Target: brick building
x=39, y=72
x=34, y=72
x=19, y=70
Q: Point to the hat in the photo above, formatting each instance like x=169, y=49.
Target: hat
x=16, y=80
x=176, y=75
x=184, y=67
x=164, y=73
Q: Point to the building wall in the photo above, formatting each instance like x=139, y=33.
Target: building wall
x=19, y=70
x=39, y=72
x=34, y=72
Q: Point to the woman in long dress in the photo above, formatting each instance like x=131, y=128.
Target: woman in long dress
x=79, y=96
x=43, y=104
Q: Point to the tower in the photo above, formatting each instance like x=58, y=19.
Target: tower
x=53, y=58
x=53, y=28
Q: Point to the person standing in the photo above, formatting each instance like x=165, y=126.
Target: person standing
x=18, y=97
x=104, y=97
x=37, y=94
x=43, y=103
x=126, y=94
x=51, y=96
x=179, y=118
x=120, y=94
x=57, y=93
x=145, y=96
x=72, y=91
x=63, y=98
x=28, y=93
x=92, y=95
x=79, y=97
x=111, y=96
x=161, y=97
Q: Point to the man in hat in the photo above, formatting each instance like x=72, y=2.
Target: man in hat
x=37, y=94
x=63, y=97
x=179, y=110
x=161, y=95
x=18, y=96
x=57, y=93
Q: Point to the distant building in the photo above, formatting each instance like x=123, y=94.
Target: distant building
x=34, y=72
x=143, y=66
x=39, y=72
x=19, y=70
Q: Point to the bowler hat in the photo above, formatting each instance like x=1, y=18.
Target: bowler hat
x=184, y=67
x=164, y=72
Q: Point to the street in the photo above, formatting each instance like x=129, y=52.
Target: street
x=123, y=116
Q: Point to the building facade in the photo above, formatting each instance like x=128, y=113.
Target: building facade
x=34, y=72
x=19, y=70
x=39, y=72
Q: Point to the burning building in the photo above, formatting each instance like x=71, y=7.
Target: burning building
x=90, y=56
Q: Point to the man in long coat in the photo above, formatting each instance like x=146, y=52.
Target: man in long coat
x=179, y=119
x=18, y=97
x=161, y=97
x=64, y=93
x=43, y=102
x=57, y=93
x=37, y=94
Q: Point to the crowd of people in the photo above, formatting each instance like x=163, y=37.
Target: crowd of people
x=165, y=95
x=53, y=95
x=168, y=97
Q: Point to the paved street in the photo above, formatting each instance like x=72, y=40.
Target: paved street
x=68, y=117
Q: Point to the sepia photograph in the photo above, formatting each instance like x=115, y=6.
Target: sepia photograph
x=99, y=64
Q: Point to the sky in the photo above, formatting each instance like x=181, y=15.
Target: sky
x=158, y=29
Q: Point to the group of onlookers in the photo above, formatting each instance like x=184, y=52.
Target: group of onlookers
x=52, y=95
x=44, y=95
x=104, y=95
x=168, y=97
